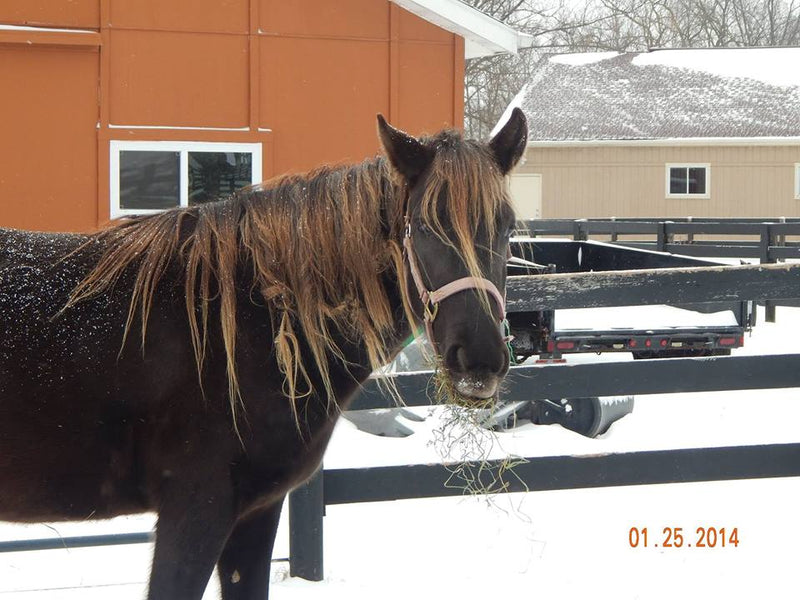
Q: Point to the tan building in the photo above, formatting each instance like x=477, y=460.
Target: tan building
x=670, y=133
x=115, y=107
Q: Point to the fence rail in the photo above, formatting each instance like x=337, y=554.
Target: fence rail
x=764, y=239
x=657, y=376
x=767, y=237
x=653, y=286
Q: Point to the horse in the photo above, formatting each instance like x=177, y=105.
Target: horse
x=193, y=363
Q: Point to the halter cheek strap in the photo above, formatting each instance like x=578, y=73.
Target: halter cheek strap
x=432, y=298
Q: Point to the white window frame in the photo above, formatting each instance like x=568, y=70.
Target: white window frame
x=706, y=166
x=183, y=148
x=797, y=181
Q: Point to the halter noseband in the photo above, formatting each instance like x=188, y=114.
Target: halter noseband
x=432, y=298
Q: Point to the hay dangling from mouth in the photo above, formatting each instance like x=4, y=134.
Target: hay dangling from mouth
x=466, y=445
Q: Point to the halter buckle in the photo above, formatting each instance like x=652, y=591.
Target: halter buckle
x=431, y=310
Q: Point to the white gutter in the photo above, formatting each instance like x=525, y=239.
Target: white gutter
x=483, y=35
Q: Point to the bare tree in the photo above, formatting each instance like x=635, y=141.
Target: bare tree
x=491, y=82
x=700, y=23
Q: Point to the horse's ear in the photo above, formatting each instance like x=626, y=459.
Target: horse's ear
x=407, y=155
x=509, y=143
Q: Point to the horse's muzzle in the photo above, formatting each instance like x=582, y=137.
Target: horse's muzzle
x=477, y=387
x=476, y=373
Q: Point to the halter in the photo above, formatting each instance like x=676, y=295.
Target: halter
x=432, y=298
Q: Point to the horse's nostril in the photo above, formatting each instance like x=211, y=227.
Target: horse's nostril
x=460, y=360
x=455, y=359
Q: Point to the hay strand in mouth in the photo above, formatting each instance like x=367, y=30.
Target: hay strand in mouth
x=466, y=445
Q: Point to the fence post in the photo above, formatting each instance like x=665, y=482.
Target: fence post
x=578, y=230
x=306, y=509
x=662, y=239
x=764, y=257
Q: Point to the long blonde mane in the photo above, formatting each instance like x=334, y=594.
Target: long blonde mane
x=316, y=249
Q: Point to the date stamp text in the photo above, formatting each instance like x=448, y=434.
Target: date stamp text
x=677, y=537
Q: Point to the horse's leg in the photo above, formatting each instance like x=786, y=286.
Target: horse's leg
x=194, y=520
x=244, y=567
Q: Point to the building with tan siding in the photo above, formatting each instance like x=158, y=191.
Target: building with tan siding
x=669, y=133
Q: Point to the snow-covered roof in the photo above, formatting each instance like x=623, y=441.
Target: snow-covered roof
x=483, y=35
x=721, y=94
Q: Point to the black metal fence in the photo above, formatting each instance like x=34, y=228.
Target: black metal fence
x=768, y=240
x=555, y=381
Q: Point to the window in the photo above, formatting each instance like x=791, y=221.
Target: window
x=688, y=181
x=149, y=177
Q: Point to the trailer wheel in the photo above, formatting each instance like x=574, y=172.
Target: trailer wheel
x=588, y=416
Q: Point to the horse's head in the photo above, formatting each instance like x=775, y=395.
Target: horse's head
x=458, y=219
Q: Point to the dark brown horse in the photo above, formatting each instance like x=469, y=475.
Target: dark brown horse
x=194, y=362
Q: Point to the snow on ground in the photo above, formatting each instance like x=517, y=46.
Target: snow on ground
x=639, y=317
x=560, y=544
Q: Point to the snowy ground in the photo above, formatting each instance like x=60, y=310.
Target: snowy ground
x=564, y=544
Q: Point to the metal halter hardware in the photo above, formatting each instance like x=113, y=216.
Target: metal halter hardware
x=431, y=298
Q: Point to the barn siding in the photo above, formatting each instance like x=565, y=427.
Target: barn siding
x=305, y=79
x=48, y=145
x=51, y=13
x=178, y=79
x=629, y=181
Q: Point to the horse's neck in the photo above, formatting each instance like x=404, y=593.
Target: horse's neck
x=403, y=328
x=392, y=205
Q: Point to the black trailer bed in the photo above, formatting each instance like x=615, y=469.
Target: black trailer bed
x=545, y=333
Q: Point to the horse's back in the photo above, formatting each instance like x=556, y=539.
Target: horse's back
x=61, y=430
x=21, y=248
x=37, y=273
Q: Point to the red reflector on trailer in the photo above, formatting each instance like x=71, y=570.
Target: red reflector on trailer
x=727, y=341
x=664, y=343
x=632, y=343
x=648, y=343
x=565, y=345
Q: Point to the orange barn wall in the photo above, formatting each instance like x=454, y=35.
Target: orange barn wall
x=48, y=145
x=303, y=78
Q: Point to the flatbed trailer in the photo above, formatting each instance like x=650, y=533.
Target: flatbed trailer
x=717, y=328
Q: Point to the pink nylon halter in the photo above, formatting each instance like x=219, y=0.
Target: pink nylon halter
x=431, y=299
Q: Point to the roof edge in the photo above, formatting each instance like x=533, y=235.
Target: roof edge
x=483, y=35
x=698, y=141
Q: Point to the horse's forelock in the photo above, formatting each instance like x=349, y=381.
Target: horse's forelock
x=464, y=176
